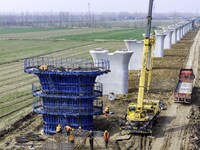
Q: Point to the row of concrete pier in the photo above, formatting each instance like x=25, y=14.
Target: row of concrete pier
x=122, y=61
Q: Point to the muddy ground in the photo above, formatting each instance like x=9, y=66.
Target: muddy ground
x=175, y=127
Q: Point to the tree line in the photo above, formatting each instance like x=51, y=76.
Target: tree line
x=70, y=20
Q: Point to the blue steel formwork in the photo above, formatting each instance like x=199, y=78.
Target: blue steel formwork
x=67, y=93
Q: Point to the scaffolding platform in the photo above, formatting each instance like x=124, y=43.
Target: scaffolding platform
x=67, y=66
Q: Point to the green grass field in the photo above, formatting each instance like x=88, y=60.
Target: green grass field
x=119, y=34
x=24, y=30
x=14, y=50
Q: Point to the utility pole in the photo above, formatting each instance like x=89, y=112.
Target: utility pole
x=174, y=17
x=196, y=14
x=89, y=18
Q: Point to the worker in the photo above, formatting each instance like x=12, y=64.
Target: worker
x=106, y=111
x=72, y=131
x=68, y=130
x=79, y=130
x=71, y=139
x=43, y=67
x=59, y=129
x=106, y=137
x=91, y=139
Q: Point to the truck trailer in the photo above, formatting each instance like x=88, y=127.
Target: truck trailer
x=184, y=88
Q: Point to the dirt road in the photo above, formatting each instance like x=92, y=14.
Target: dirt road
x=170, y=133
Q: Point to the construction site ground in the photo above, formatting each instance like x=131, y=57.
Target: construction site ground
x=177, y=127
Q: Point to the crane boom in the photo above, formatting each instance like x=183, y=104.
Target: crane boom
x=145, y=60
x=141, y=116
x=149, y=18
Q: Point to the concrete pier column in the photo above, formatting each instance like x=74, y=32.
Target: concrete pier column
x=174, y=35
x=117, y=80
x=168, y=39
x=99, y=54
x=184, y=29
x=181, y=30
x=137, y=48
x=159, y=47
x=188, y=26
x=178, y=33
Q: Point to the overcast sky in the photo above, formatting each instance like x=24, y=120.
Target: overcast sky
x=99, y=5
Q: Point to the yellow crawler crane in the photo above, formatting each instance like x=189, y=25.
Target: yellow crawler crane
x=142, y=115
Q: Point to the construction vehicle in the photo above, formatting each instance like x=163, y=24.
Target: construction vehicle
x=142, y=115
x=183, y=91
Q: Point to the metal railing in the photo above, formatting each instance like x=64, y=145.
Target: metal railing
x=66, y=64
x=68, y=90
x=70, y=110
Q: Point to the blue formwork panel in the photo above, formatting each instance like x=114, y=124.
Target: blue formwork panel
x=63, y=106
x=93, y=95
x=51, y=121
x=49, y=128
x=83, y=121
x=91, y=73
x=67, y=91
x=67, y=84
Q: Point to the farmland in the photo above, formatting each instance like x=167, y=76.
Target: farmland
x=15, y=86
x=17, y=44
x=108, y=35
x=24, y=30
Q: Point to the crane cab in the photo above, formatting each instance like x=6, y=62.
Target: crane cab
x=142, y=122
x=134, y=114
x=151, y=107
